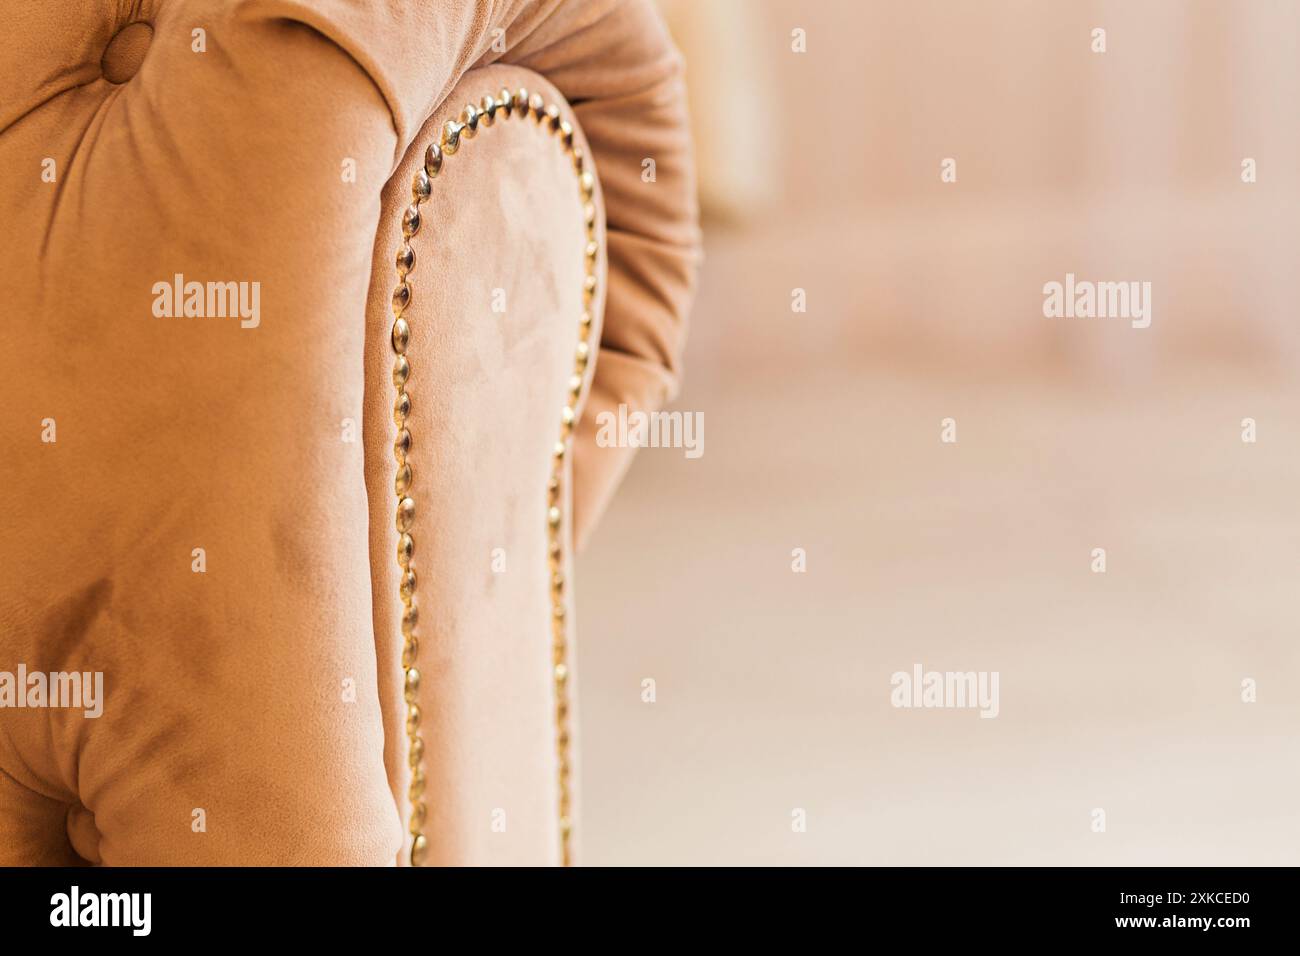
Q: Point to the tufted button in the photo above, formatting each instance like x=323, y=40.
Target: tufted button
x=125, y=52
x=82, y=833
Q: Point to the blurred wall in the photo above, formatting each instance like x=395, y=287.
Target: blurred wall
x=822, y=171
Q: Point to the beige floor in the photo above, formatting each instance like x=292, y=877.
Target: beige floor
x=1119, y=691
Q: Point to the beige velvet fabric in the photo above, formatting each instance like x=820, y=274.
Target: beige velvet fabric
x=224, y=696
x=502, y=229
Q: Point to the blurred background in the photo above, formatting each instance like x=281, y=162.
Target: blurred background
x=1122, y=691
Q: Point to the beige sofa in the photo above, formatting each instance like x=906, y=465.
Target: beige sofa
x=205, y=493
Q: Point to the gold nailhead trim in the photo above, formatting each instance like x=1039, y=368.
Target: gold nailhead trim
x=433, y=160
x=453, y=135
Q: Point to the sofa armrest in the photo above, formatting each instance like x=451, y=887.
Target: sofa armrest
x=615, y=63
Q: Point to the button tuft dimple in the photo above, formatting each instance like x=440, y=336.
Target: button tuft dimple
x=125, y=52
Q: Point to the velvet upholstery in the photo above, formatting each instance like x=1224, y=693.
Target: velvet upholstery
x=502, y=229
x=174, y=433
